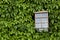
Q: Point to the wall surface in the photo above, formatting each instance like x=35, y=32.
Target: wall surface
x=17, y=19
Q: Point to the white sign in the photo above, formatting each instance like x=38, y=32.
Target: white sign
x=41, y=20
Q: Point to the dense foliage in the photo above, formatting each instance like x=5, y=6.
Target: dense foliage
x=17, y=21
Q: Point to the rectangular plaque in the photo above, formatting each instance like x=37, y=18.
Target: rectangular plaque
x=41, y=20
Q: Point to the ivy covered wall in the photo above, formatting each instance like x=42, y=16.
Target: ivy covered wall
x=17, y=21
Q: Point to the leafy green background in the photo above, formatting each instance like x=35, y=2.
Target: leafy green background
x=17, y=19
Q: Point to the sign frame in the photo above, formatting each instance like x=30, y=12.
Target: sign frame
x=42, y=29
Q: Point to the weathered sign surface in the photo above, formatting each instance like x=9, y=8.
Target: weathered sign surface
x=41, y=20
